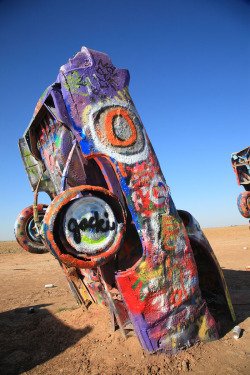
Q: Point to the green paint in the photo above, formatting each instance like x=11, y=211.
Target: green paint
x=28, y=161
x=74, y=82
x=92, y=242
x=142, y=296
x=58, y=142
x=43, y=94
x=33, y=170
x=99, y=298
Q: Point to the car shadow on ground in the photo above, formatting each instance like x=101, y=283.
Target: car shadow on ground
x=238, y=283
x=30, y=337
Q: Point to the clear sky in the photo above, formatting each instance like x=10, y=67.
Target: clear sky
x=189, y=62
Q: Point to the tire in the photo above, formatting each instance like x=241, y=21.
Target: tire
x=25, y=232
x=71, y=232
x=243, y=202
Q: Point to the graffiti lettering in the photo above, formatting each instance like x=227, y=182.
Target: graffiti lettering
x=94, y=222
x=150, y=192
x=106, y=76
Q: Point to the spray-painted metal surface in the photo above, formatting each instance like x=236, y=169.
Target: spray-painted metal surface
x=241, y=166
x=112, y=224
x=25, y=232
x=85, y=237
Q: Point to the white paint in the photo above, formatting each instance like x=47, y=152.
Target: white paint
x=91, y=240
x=106, y=149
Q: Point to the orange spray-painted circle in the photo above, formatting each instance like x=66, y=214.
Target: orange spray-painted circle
x=109, y=122
x=176, y=297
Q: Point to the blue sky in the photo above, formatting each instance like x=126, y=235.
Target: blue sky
x=189, y=63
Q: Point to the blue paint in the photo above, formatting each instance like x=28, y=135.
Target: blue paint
x=85, y=146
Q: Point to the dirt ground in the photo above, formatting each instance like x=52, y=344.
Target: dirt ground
x=62, y=338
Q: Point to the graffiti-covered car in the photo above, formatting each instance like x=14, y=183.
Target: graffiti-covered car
x=241, y=166
x=112, y=224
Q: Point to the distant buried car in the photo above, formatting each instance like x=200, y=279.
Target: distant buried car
x=112, y=224
x=241, y=165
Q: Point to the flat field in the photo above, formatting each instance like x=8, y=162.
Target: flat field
x=62, y=338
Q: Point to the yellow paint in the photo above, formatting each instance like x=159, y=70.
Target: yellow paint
x=86, y=113
x=170, y=231
x=146, y=273
x=203, y=327
x=122, y=96
x=126, y=93
x=174, y=342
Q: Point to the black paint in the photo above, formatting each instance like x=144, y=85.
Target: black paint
x=94, y=222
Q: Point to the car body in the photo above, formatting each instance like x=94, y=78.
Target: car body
x=241, y=166
x=112, y=223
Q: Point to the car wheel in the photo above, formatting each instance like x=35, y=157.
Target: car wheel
x=25, y=231
x=243, y=202
x=84, y=226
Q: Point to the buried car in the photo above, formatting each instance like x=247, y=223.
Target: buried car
x=241, y=166
x=112, y=224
